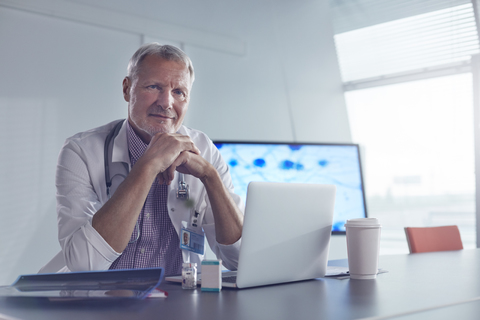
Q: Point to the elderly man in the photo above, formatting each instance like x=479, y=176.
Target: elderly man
x=121, y=187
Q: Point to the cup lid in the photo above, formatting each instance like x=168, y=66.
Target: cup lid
x=363, y=222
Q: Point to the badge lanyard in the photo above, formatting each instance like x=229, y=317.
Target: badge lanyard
x=192, y=239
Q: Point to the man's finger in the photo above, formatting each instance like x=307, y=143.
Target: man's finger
x=160, y=179
x=177, y=163
x=171, y=172
x=166, y=179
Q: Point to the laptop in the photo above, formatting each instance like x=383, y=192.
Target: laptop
x=286, y=234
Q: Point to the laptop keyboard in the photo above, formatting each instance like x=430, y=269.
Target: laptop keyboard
x=230, y=279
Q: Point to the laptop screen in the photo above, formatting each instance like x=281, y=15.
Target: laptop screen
x=337, y=164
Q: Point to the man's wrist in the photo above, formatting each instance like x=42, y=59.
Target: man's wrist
x=144, y=170
x=211, y=175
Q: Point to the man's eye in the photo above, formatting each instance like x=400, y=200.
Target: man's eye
x=180, y=94
x=153, y=86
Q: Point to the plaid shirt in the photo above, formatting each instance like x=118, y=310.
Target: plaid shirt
x=157, y=244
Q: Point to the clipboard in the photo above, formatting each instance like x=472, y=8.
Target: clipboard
x=108, y=284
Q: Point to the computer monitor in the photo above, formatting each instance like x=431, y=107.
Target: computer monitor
x=337, y=164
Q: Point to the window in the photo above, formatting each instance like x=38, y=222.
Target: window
x=442, y=37
x=410, y=105
x=417, y=146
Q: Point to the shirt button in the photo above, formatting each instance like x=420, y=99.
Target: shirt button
x=148, y=215
x=142, y=251
x=173, y=209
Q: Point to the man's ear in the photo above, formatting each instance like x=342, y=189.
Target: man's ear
x=127, y=84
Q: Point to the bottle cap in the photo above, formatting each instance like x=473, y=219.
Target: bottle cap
x=188, y=265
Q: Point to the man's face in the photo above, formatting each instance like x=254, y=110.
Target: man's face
x=157, y=96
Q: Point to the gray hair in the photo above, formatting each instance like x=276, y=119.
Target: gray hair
x=167, y=52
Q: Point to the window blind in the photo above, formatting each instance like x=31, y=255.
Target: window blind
x=411, y=43
x=348, y=15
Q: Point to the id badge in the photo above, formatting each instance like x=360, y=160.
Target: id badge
x=192, y=241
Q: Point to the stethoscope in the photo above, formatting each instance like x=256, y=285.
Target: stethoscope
x=183, y=190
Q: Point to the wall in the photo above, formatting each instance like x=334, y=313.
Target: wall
x=266, y=70
x=287, y=87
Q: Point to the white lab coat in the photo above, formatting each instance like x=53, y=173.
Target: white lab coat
x=81, y=191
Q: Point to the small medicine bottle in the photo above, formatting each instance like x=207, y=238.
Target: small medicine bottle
x=189, y=275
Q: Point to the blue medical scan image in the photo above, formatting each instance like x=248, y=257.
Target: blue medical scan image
x=337, y=164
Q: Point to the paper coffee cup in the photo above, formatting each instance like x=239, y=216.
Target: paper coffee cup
x=363, y=246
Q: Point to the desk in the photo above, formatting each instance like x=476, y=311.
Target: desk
x=413, y=282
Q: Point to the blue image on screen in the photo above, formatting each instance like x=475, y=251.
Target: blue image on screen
x=337, y=164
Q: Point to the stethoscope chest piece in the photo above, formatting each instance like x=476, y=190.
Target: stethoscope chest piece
x=183, y=190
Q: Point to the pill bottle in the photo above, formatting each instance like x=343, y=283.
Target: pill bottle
x=189, y=275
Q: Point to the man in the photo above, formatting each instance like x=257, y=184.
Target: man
x=186, y=238
x=139, y=225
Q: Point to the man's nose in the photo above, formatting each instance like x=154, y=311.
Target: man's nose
x=165, y=100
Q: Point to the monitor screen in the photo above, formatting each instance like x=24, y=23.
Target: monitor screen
x=337, y=164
